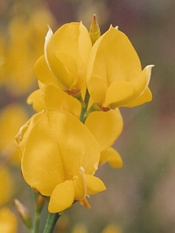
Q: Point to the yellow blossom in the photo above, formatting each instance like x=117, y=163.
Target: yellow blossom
x=115, y=77
x=8, y=221
x=65, y=55
x=59, y=158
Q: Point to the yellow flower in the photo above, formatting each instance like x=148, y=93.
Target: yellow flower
x=8, y=222
x=59, y=158
x=114, y=75
x=106, y=127
x=65, y=55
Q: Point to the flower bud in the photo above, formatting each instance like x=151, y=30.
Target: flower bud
x=39, y=203
x=24, y=214
x=94, y=31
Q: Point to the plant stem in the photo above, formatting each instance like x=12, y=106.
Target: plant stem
x=51, y=221
x=36, y=223
x=37, y=215
x=83, y=114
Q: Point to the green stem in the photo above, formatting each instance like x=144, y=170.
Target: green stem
x=37, y=215
x=83, y=114
x=51, y=221
x=36, y=223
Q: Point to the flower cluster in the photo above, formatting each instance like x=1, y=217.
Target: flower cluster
x=83, y=79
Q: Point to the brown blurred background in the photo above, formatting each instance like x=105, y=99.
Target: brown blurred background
x=140, y=197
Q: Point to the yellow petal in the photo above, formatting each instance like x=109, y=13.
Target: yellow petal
x=76, y=142
x=79, y=187
x=73, y=39
x=141, y=82
x=39, y=148
x=94, y=184
x=112, y=157
x=62, y=197
x=105, y=126
x=97, y=87
x=35, y=98
x=43, y=73
x=57, y=100
x=118, y=93
x=145, y=97
x=57, y=68
x=71, y=66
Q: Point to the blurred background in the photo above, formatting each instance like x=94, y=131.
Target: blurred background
x=140, y=196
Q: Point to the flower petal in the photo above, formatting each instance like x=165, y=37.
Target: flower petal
x=112, y=157
x=43, y=72
x=118, y=93
x=57, y=67
x=57, y=100
x=41, y=159
x=79, y=187
x=62, y=197
x=145, y=97
x=94, y=184
x=141, y=82
x=105, y=126
x=36, y=100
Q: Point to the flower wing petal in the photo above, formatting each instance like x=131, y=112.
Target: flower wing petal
x=62, y=197
x=36, y=100
x=94, y=184
x=43, y=72
x=141, y=82
x=112, y=157
x=145, y=97
x=118, y=93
